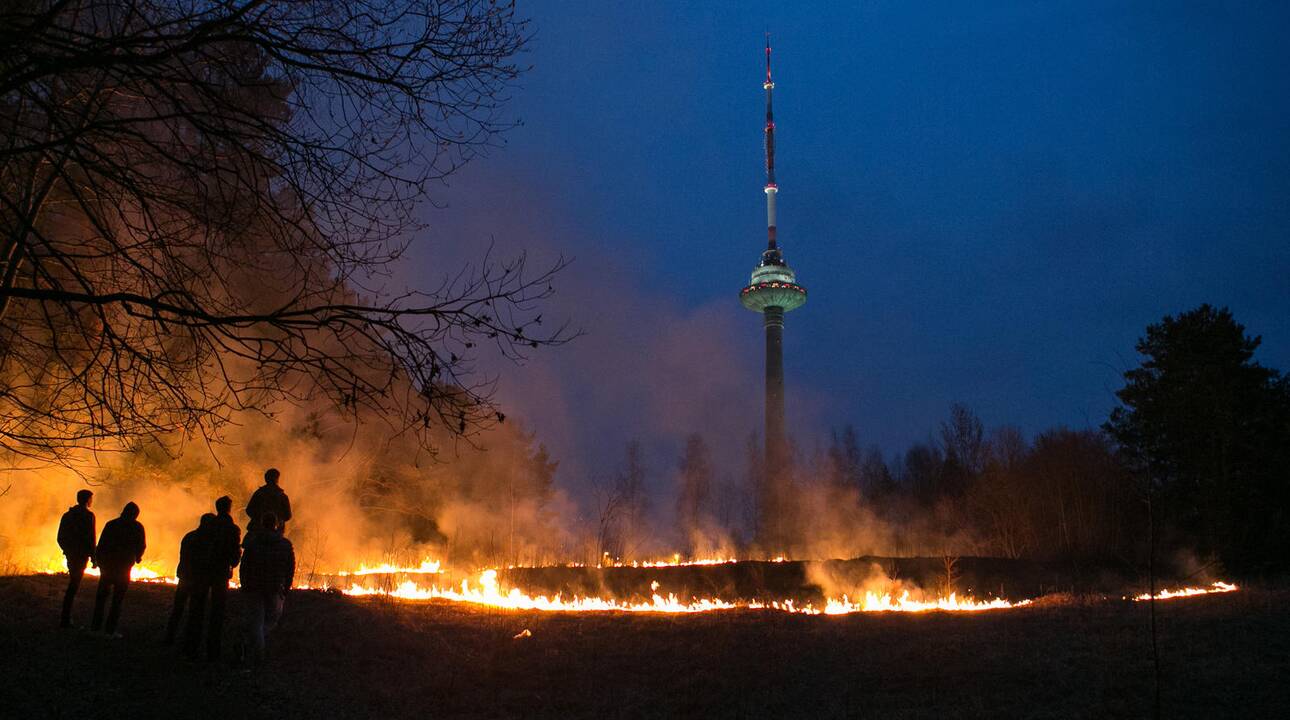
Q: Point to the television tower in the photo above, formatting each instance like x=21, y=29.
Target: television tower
x=772, y=292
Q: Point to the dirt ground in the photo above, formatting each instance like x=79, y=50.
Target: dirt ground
x=337, y=657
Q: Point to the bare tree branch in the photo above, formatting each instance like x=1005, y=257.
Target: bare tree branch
x=201, y=202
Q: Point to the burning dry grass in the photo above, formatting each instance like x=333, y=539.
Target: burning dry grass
x=874, y=591
x=342, y=657
x=1171, y=594
x=488, y=592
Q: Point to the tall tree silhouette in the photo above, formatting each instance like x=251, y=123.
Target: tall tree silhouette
x=630, y=486
x=845, y=459
x=963, y=439
x=694, y=494
x=1210, y=428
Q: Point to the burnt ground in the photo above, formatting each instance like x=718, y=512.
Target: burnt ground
x=337, y=657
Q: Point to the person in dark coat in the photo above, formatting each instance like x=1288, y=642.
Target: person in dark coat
x=212, y=569
x=230, y=534
x=120, y=546
x=191, y=548
x=269, y=498
x=76, y=538
x=268, y=571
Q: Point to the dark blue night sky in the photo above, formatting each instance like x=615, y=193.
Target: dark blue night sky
x=987, y=201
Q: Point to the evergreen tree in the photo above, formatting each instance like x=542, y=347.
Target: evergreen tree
x=1209, y=428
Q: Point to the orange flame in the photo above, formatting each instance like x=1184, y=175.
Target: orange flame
x=427, y=567
x=488, y=592
x=145, y=572
x=1218, y=587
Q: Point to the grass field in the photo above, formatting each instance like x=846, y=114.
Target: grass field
x=337, y=657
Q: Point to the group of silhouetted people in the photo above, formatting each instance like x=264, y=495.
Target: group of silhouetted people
x=119, y=547
x=207, y=558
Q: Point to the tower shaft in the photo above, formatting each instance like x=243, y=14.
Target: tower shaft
x=776, y=450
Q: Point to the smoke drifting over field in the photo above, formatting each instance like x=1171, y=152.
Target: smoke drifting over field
x=359, y=498
x=356, y=497
x=651, y=367
x=648, y=368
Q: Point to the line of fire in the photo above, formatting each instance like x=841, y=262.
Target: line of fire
x=339, y=409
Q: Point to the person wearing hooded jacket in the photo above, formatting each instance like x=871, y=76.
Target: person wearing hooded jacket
x=76, y=539
x=269, y=498
x=191, y=549
x=215, y=553
x=224, y=556
x=267, y=573
x=120, y=546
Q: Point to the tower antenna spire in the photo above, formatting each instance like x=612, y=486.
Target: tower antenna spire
x=771, y=188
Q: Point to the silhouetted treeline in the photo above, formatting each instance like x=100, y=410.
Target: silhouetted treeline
x=1193, y=463
x=1062, y=495
x=1065, y=494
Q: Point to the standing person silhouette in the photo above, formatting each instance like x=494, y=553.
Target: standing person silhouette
x=192, y=548
x=120, y=546
x=216, y=552
x=207, y=557
x=269, y=498
x=225, y=554
x=268, y=571
x=76, y=538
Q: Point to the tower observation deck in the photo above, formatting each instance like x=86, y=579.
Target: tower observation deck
x=773, y=291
